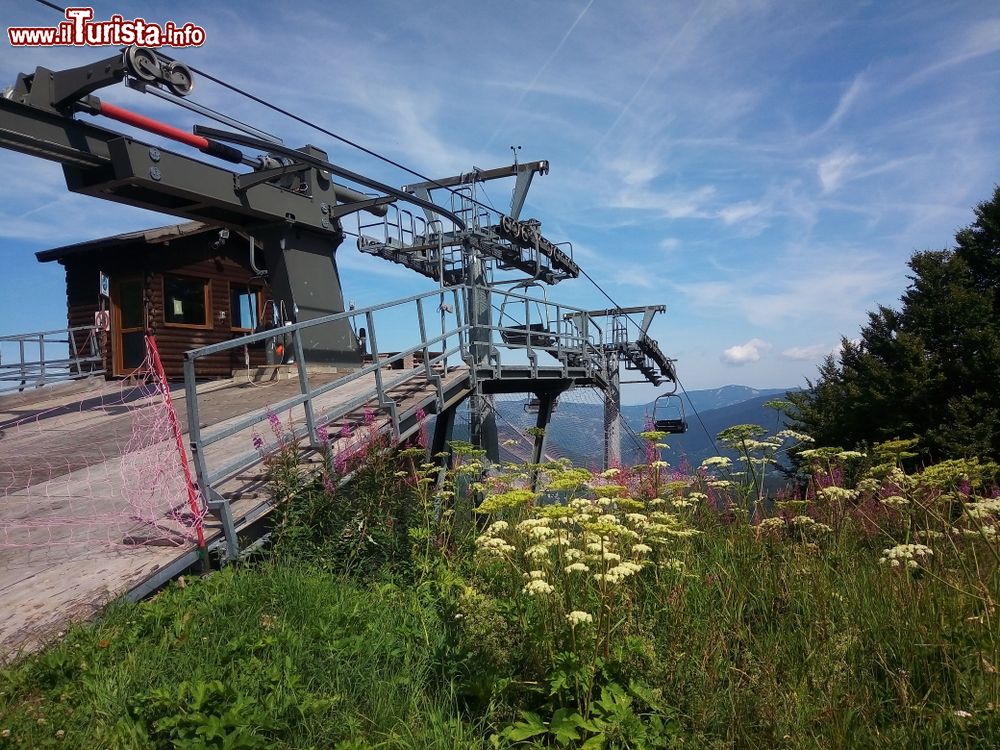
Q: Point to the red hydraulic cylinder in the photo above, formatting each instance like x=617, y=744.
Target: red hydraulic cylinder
x=205, y=145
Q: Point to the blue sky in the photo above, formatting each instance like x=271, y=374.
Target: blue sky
x=763, y=168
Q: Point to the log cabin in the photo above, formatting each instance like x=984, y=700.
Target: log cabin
x=189, y=285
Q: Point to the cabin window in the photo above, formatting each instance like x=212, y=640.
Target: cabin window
x=244, y=307
x=185, y=301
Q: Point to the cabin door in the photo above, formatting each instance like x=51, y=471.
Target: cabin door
x=128, y=325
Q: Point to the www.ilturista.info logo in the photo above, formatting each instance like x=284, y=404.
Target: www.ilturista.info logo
x=80, y=30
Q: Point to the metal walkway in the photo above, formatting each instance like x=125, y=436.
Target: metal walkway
x=392, y=391
x=62, y=479
x=382, y=368
x=229, y=426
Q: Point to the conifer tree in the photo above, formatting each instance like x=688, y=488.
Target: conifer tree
x=930, y=369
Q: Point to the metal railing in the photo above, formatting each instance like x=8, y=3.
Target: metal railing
x=436, y=249
x=537, y=326
x=31, y=360
x=411, y=240
x=571, y=337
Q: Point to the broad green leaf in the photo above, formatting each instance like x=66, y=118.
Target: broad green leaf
x=532, y=726
x=565, y=725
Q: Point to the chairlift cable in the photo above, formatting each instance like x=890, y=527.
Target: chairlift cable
x=53, y=6
x=387, y=160
x=715, y=447
x=297, y=118
x=677, y=380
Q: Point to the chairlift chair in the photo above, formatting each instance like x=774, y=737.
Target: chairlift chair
x=517, y=332
x=533, y=405
x=668, y=414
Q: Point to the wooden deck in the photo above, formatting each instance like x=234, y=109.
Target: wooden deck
x=71, y=537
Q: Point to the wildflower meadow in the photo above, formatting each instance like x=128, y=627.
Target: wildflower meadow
x=794, y=596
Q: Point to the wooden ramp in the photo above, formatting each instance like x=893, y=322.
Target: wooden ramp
x=89, y=512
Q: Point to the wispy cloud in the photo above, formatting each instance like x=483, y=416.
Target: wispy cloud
x=741, y=212
x=979, y=39
x=667, y=204
x=538, y=74
x=833, y=285
x=810, y=353
x=835, y=169
x=848, y=99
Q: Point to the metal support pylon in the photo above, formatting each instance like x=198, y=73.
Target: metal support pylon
x=612, y=417
x=483, y=427
x=546, y=403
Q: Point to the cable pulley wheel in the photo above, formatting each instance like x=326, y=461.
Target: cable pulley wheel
x=178, y=79
x=143, y=64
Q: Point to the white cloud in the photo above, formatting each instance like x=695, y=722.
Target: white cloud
x=809, y=353
x=742, y=354
x=834, y=169
x=846, y=102
x=740, y=212
x=980, y=39
x=670, y=204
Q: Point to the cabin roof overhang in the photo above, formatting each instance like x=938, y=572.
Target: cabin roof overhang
x=154, y=236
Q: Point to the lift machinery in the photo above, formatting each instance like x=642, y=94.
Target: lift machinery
x=291, y=203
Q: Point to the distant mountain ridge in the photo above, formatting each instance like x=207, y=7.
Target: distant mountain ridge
x=577, y=428
x=713, y=398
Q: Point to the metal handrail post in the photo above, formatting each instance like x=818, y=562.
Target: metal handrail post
x=559, y=343
x=528, y=337
x=75, y=353
x=23, y=368
x=443, y=314
x=307, y=405
x=217, y=504
x=373, y=346
x=428, y=371
x=423, y=337
x=462, y=319
x=41, y=359
x=383, y=400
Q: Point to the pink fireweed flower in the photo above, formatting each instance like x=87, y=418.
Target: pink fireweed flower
x=340, y=463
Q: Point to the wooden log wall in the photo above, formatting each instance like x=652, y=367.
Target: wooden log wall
x=190, y=257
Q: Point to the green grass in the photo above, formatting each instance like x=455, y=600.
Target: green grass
x=727, y=634
x=757, y=646
x=309, y=661
x=785, y=645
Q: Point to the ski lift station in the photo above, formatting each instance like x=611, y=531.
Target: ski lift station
x=235, y=313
